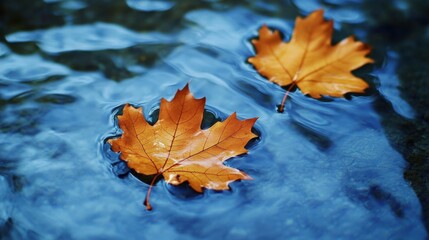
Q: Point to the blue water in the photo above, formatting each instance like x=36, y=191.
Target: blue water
x=322, y=169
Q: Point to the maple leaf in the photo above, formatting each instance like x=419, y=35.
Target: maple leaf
x=178, y=149
x=309, y=61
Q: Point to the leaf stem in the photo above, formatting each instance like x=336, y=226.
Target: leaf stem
x=282, y=105
x=146, y=201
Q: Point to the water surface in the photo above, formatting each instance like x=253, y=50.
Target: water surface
x=322, y=169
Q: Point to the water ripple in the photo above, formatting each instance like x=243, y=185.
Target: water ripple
x=149, y=5
x=322, y=170
x=90, y=37
x=29, y=69
x=389, y=86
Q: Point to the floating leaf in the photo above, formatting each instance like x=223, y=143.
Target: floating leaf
x=176, y=147
x=309, y=61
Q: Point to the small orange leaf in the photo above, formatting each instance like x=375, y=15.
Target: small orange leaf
x=309, y=61
x=176, y=147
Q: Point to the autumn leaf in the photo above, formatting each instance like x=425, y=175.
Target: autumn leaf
x=176, y=147
x=309, y=61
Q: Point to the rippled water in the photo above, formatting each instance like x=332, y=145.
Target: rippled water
x=322, y=170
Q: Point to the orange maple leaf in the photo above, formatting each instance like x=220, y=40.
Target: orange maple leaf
x=309, y=61
x=178, y=149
